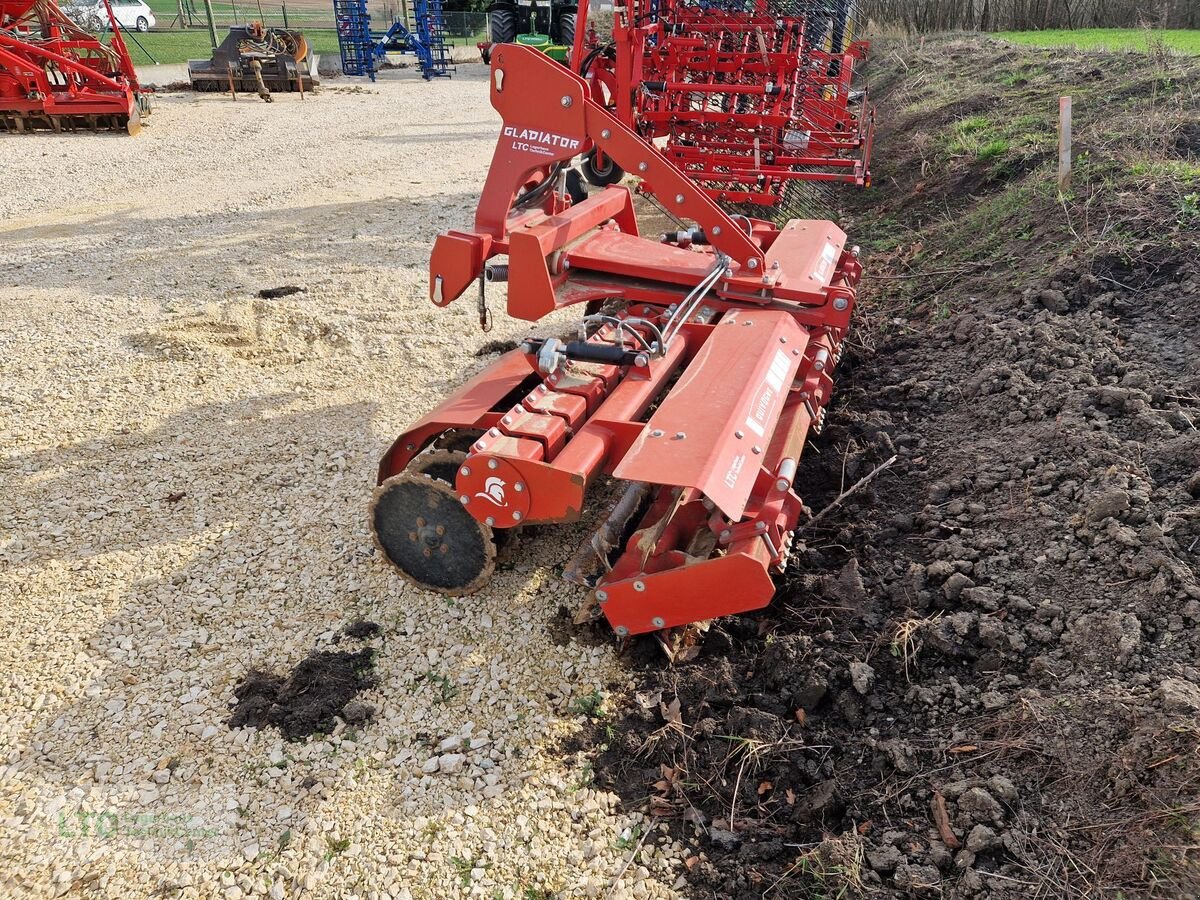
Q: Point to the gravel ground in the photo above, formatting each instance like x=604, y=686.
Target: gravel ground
x=186, y=471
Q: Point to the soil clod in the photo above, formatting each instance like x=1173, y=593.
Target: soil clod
x=320, y=688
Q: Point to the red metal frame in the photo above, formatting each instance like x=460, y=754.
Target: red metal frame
x=747, y=101
x=735, y=393
x=53, y=74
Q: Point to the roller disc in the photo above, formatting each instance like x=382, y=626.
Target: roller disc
x=443, y=464
x=424, y=531
x=440, y=464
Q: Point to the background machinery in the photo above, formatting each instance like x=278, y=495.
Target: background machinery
x=549, y=26
x=755, y=99
x=702, y=364
x=256, y=58
x=56, y=76
x=422, y=33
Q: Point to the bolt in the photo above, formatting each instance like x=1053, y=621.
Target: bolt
x=602, y=596
x=516, y=515
x=441, y=529
x=605, y=133
x=621, y=631
x=410, y=446
x=679, y=435
x=658, y=622
x=760, y=526
x=479, y=445
x=679, y=198
x=752, y=264
x=725, y=535
x=639, y=586
x=490, y=521
x=716, y=229
x=507, y=420
x=495, y=432
x=756, y=450
x=781, y=484
x=643, y=166
x=464, y=471
x=782, y=340
x=657, y=432
x=518, y=487
x=739, y=435
x=840, y=303
x=464, y=499
x=795, y=353
x=492, y=464
x=566, y=101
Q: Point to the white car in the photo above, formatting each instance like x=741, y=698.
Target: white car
x=132, y=15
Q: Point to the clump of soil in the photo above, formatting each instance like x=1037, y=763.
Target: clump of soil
x=361, y=630
x=980, y=678
x=323, y=686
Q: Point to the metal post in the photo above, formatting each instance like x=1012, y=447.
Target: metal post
x=1064, y=144
x=286, y=26
x=212, y=26
x=182, y=16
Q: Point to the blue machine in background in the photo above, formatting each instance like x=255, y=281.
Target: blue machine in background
x=424, y=35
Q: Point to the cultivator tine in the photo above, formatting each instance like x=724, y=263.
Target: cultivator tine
x=594, y=558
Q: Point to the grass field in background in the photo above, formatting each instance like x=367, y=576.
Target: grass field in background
x=1179, y=40
x=180, y=46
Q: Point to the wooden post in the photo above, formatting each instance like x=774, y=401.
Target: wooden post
x=1064, y=144
x=212, y=25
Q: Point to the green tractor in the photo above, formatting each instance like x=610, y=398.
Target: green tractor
x=549, y=26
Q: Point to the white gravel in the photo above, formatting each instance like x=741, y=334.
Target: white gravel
x=135, y=364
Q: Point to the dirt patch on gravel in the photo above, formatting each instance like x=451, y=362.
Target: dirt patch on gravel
x=980, y=678
x=311, y=698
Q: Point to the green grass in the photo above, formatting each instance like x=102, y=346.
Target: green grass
x=1180, y=40
x=180, y=46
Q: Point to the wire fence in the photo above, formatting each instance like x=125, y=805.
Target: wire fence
x=460, y=27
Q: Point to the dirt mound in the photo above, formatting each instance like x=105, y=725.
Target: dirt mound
x=268, y=332
x=979, y=679
x=323, y=686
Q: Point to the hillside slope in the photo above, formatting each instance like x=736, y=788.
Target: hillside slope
x=980, y=679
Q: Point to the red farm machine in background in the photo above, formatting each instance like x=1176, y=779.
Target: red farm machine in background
x=56, y=76
x=750, y=98
x=705, y=357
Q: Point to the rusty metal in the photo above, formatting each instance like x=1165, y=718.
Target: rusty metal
x=256, y=59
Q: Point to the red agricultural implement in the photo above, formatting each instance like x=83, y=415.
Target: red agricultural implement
x=56, y=76
x=702, y=365
x=751, y=97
